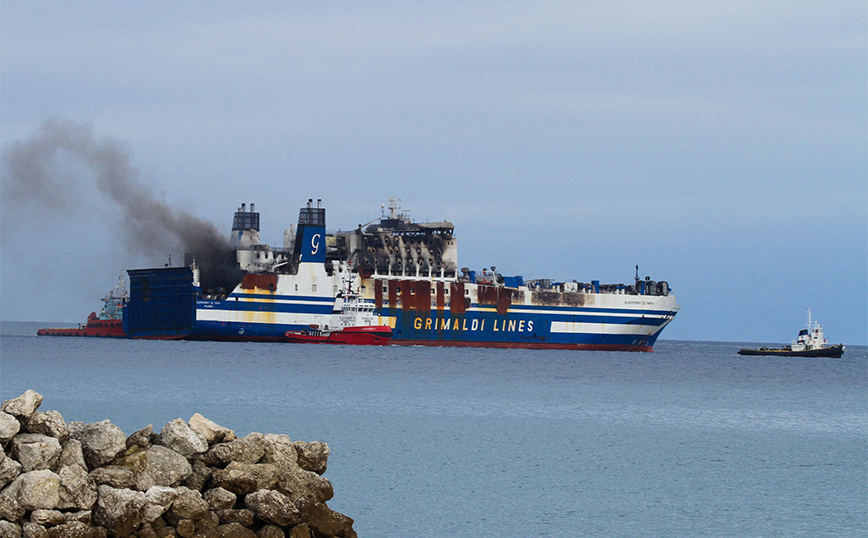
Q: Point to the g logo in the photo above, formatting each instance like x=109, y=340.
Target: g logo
x=314, y=244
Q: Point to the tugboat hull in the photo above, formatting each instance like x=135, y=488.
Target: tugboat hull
x=831, y=352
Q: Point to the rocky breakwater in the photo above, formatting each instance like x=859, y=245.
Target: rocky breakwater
x=191, y=479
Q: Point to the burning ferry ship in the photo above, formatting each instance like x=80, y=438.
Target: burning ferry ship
x=408, y=274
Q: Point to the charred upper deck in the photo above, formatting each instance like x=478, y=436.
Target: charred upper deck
x=397, y=246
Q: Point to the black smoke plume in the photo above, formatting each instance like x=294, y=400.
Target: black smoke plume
x=42, y=170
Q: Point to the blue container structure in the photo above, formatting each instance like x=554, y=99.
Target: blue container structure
x=162, y=303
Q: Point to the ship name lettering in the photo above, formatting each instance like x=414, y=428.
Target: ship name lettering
x=456, y=324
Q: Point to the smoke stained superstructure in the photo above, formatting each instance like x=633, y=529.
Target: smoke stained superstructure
x=48, y=173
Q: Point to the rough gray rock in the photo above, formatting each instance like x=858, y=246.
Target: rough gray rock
x=35, y=451
x=200, y=475
x=298, y=484
x=273, y=531
x=116, y=476
x=71, y=454
x=313, y=456
x=211, y=432
x=10, y=510
x=49, y=423
x=101, y=442
x=9, y=469
x=279, y=450
x=232, y=515
x=248, y=449
x=77, y=489
x=10, y=530
x=120, y=511
x=235, y=530
x=191, y=480
x=157, y=466
x=244, y=478
x=140, y=439
x=9, y=426
x=219, y=498
x=48, y=517
x=189, y=504
x=35, y=489
x=23, y=407
x=35, y=530
x=273, y=506
x=325, y=521
x=73, y=529
x=160, y=498
x=178, y=436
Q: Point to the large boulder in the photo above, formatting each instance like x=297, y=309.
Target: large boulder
x=279, y=450
x=116, y=476
x=77, y=489
x=157, y=466
x=72, y=454
x=189, y=504
x=49, y=423
x=273, y=506
x=248, y=449
x=35, y=451
x=298, y=484
x=120, y=511
x=35, y=489
x=313, y=456
x=23, y=406
x=326, y=522
x=9, y=426
x=160, y=498
x=178, y=436
x=235, y=530
x=219, y=498
x=48, y=517
x=74, y=529
x=211, y=432
x=101, y=442
x=244, y=478
x=10, y=510
x=10, y=530
x=9, y=469
x=140, y=439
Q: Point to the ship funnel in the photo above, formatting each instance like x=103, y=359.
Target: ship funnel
x=309, y=245
x=245, y=227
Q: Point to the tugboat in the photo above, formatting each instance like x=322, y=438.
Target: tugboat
x=809, y=343
x=354, y=325
x=109, y=323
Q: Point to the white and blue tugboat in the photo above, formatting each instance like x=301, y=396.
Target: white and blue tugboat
x=809, y=343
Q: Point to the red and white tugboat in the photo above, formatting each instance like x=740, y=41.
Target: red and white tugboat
x=356, y=324
x=109, y=323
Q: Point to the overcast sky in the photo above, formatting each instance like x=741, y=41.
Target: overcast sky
x=719, y=145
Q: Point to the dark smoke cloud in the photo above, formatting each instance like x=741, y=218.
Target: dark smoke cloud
x=43, y=171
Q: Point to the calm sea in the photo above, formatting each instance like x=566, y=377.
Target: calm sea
x=692, y=440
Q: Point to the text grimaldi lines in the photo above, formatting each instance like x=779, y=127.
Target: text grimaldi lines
x=464, y=324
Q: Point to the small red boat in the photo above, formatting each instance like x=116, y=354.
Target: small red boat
x=370, y=335
x=355, y=326
x=112, y=328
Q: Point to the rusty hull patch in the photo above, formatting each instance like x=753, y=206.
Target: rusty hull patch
x=266, y=282
x=494, y=295
x=457, y=302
